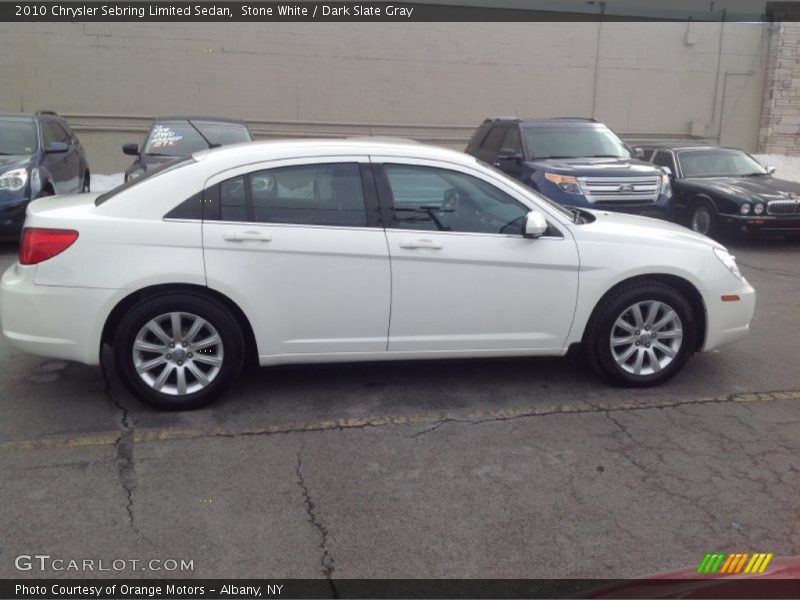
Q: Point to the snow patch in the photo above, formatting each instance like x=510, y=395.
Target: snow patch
x=103, y=183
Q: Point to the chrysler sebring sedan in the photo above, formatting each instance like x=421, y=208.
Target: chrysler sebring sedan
x=355, y=250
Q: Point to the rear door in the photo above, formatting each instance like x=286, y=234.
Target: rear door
x=298, y=244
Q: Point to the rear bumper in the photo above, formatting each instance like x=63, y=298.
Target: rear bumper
x=728, y=321
x=53, y=321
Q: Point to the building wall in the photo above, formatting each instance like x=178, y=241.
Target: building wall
x=780, y=118
x=430, y=81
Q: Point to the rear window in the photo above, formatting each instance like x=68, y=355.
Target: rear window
x=179, y=138
x=149, y=174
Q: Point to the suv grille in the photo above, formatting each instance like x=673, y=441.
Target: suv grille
x=620, y=189
x=782, y=207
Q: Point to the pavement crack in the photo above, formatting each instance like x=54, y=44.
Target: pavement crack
x=327, y=562
x=124, y=446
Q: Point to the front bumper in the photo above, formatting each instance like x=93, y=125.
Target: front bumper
x=762, y=223
x=53, y=321
x=12, y=214
x=728, y=320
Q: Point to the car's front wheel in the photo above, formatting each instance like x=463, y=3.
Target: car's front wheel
x=178, y=351
x=642, y=334
x=703, y=217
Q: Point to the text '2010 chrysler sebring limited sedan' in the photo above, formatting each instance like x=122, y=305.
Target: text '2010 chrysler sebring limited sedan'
x=351, y=250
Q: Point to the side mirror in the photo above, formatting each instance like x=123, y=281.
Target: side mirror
x=770, y=170
x=508, y=154
x=638, y=153
x=535, y=225
x=56, y=148
x=667, y=170
x=131, y=149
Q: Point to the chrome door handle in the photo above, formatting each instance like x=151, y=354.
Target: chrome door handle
x=413, y=244
x=247, y=236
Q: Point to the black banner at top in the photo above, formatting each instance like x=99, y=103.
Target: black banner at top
x=384, y=11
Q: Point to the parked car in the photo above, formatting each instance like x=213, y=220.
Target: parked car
x=171, y=137
x=39, y=156
x=345, y=250
x=719, y=189
x=575, y=162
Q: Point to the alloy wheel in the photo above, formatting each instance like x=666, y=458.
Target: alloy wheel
x=178, y=353
x=646, y=337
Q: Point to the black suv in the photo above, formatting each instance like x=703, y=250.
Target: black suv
x=39, y=156
x=574, y=161
x=171, y=137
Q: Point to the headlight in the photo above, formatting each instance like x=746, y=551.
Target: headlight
x=14, y=180
x=758, y=208
x=565, y=182
x=744, y=208
x=666, y=187
x=729, y=261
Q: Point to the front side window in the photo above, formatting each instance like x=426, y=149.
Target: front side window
x=556, y=141
x=513, y=140
x=718, y=163
x=53, y=132
x=17, y=137
x=322, y=194
x=435, y=199
x=664, y=159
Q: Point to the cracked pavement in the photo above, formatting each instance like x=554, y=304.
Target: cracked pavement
x=503, y=468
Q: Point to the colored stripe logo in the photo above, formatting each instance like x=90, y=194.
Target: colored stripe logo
x=732, y=563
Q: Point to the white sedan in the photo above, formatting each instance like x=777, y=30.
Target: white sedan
x=355, y=250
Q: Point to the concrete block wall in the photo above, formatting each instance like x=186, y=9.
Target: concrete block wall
x=430, y=81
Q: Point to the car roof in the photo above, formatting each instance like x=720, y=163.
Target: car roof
x=234, y=155
x=546, y=121
x=200, y=118
x=677, y=147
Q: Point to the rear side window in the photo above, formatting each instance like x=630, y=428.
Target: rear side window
x=322, y=194
x=512, y=140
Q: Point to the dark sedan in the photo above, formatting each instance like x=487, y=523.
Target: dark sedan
x=171, y=137
x=717, y=189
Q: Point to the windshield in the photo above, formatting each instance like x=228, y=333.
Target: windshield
x=573, y=142
x=149, y=174
x=179, y=138
x=17, y=137
x=718, y=163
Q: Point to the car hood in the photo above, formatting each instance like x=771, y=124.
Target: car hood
x=597, y=167
x=641, y=230
x=13, y=162
x=761, y=187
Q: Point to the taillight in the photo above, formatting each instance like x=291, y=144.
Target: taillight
x=40, y=244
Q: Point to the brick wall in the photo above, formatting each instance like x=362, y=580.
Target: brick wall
x=780, y=116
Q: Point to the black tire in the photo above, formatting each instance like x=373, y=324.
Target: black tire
x=48, y=191
x=597, y=341
x=209, y=310
x=702, y=217
x=87, y=183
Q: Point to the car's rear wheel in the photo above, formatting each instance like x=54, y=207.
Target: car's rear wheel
x=178, y=351
x=703, y=217
x=642, y=334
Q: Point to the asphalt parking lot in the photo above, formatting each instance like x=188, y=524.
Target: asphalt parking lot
x=502, y=469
